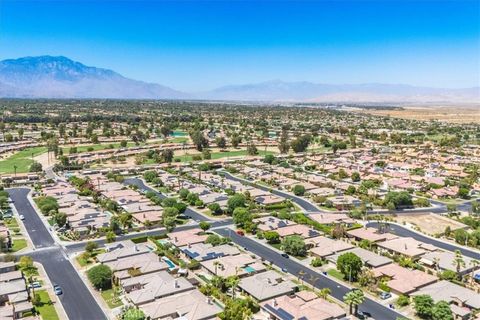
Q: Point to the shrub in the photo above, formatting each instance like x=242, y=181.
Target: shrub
x=403, y=301
x=298, y=190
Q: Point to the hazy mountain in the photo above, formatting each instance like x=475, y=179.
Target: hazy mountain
x=60, y=77
x=373, y=92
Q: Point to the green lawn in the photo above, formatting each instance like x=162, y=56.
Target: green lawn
x=224, y=154
x=97, y=147
x=177, y=140
x=335, y=273
x=11, y=223
x=44, y=306
x=111, y=299
x=19, y=244
x=21, y=159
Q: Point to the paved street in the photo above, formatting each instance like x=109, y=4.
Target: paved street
x=317, y=279
x=404, y=232
x=76, y=299
x=40, y=236
x=304, y=204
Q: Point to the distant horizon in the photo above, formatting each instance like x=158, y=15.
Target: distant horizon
x=195, y=46
x=246, y=84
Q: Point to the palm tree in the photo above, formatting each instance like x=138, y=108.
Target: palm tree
x=474, y=263
x=324, y=292
x=232, y=282
x=218, y=282
x=353, y=299
x=458, y=261
x=216, y=264
x=301, y=273
x=436, y=261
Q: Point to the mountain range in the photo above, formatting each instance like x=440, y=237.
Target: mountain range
x=61, y=77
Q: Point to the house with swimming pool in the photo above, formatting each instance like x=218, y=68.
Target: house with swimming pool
x=240, y=265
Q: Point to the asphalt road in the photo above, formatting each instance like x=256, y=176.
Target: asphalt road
x=404, y=232
x=76, y=299
x=316, y=279
x=39, y=235
x=305, y=205
x=142, y=186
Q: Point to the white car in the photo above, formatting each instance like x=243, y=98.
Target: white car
x=22, y=217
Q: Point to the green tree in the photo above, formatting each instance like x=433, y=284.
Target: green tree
x=215, y=208
x=110, y=237
x=423, y=305
x=298, y=190
x=100, y=276
x=441, y=311
x=355, y=176
x=403, y=301
x=350, y=265
x=294, y=245
x=300, y=144
x=272, y=237
x=60, y=218
x=221, y=142
x=241, y=217
x=458, y=261
x=252, y=149
x=204, y=225
x=235, y=201
x=36, y=167
x=91, y=246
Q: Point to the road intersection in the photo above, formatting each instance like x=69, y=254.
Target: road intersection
x=80, y=304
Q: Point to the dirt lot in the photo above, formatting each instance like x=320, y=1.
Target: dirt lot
x=454, y=114
x=430, y=223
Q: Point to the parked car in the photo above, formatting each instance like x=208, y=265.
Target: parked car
x=385, y=295
x=363, y=314
x=285, y=270
x=35, y=285
x=285, y=255
x=240, y=233
x=22, y=217
x=57, y=289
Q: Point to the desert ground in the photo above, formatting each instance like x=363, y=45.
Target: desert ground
x=429, y=223
x=447, y=113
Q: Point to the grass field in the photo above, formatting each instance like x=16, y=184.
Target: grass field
x=21, y=159
x=18, y=244
x=45, y=306
x=335, y=273
x=97, y=147
x=224, y=154
x=111, y=299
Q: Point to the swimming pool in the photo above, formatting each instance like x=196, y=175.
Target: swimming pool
x=249, y=269
x=169, y=262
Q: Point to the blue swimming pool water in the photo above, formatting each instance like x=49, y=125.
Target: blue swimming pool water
x=249, y=269
x=169, y=262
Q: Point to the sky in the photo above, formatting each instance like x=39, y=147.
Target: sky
x=200, y=45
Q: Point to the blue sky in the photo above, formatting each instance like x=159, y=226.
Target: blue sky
x=199, y=45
